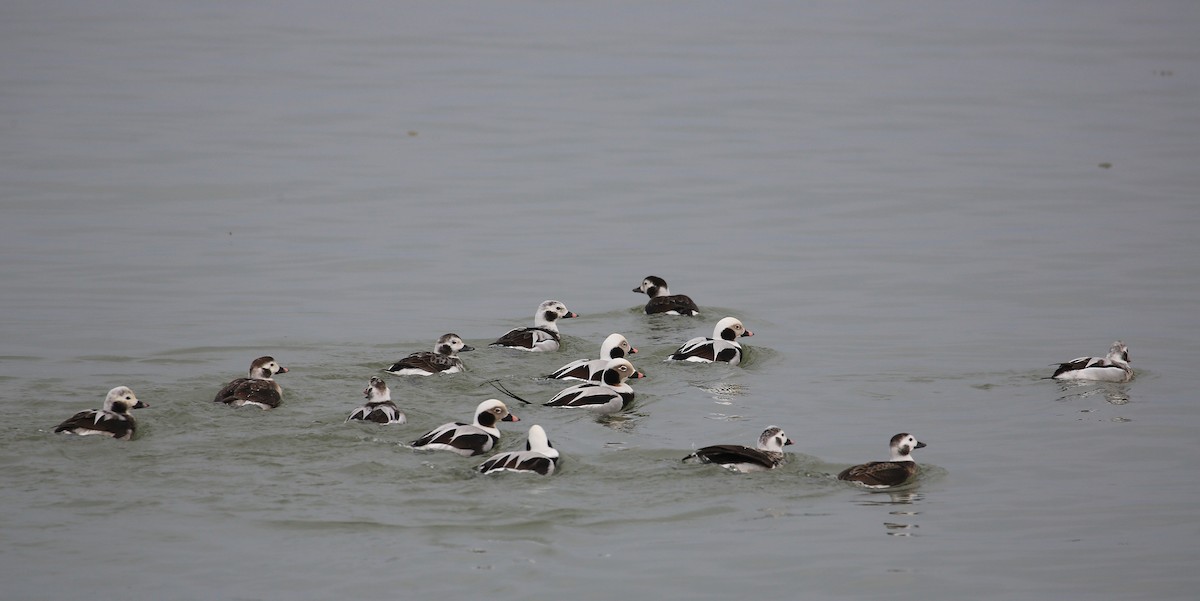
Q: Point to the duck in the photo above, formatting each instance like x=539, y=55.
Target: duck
x=113, y=420
x=768, y=456
x=379, y=407
x=609, y=395
x=471, y=439
x=893, y=472
x=722, y=346
x=615, y=346
x=258, y=388
x=662, y=301
x=539, y=456
x=543, y=336
x=442, y=360
x=1112, y=368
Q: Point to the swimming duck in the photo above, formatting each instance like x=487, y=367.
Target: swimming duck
x=539, y=456
x=723, y=346
x=257, y=388
x=379, y=407
x=543, y=336
x=1112, y=368
x=609, y=395
x=768, y=455
x=662, y=301
x=442, y=360
x=894, y=472
x=614, y=347
x=113, y=420
x=469, y=439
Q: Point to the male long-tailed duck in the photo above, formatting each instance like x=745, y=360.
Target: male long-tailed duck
x=543, y=336
x=442, y=360
x=885, y=474
x=113, y=420
x=662, y=301
x=539, y=456
x=722, y=346
x=469, y=439
x=609, y=395
x=768, y=455
x=614, y=347
x=379, y=407
x=257, y=388
x=1112, y=368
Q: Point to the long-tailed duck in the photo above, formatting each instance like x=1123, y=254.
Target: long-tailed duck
x=614, y=347
x=543, y=336
x=257, y=389
x=113, y=420
x=442, y=360
x=469, y=439
x=722, y=346
x=609, y=395
x=539, y=456
x=768, y=455
x=1112, y=368
x=894, y=472
x=379, y=407
x=662, y=301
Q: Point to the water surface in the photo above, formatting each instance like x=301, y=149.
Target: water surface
x=918, y=209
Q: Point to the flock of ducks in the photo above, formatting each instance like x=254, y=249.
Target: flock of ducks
x=602, y=389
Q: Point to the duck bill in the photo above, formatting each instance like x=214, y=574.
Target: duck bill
x=747, y=333
x=920, y=445
x=570, y=314
x=511, y=417
x=466, y=347
x=282, y=369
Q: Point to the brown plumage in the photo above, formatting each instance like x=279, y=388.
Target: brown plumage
x=256, y=389
x=882, y=474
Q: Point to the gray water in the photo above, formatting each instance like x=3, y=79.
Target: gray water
x=918, y=207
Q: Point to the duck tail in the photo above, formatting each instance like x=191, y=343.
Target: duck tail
x=504, y=390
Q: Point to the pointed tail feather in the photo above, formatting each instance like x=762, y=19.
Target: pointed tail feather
x=498, y=386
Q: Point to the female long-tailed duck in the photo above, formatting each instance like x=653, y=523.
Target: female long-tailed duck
x=469, y=439
x=543, y=336
x=257, y=388
x=1112, y=368
x=662, y=301
x=609, y=395
x=443, y=360
x=722, y=346
x=113, y=420
x=614, y=347
x=379, y=407
x=768, y=455
x=539, y=456
x=885, y=474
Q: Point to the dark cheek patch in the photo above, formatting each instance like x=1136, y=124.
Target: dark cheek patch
x=728, y=334
x=487, y=419
x=611, y=377
x=550, y=315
